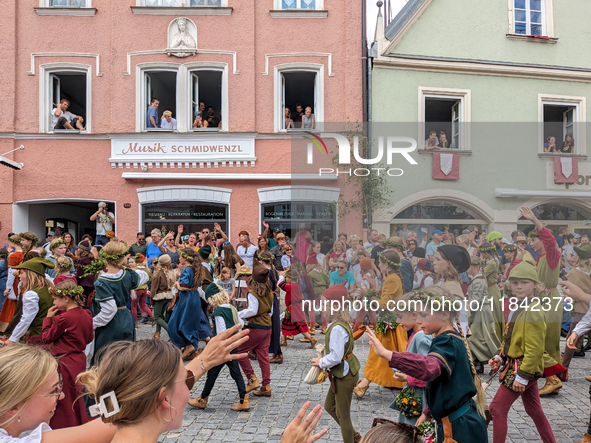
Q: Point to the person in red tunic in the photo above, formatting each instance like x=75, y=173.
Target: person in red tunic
x=68, y=328
x=294, y=322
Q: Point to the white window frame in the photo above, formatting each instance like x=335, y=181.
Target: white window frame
x=465, y=98
x=223, y=4
x=547, y=18
x=46, y=91
x=47, y=4
x=279, y=112
x=579, y=120
x=278, y=6
x=183, y=110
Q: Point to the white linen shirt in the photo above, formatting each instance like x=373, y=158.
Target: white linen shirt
x=338, y=340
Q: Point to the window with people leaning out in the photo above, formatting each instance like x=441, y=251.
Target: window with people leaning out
x=204, y=101
x=299, y=100
x=442, y=123
x=67, y=110
x=559, y=129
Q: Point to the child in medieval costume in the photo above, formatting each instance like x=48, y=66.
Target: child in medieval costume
x=548, y=266
x=258, y=314
x=451, y=378
x=491, y=274
x=36, y=300
x=483, y=340
x=138, y=298
x=11, y=291
x=68, y=328
x=224, y=317
x=320, y=281
x=341, y=364
x=188, y=322
x=112, y=320
x=521, y=355
x=376, y=369
x=163, y=280
x=294, y=322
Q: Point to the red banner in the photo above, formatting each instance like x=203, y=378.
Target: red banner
x=566, y=170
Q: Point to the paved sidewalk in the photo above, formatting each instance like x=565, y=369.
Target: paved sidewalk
x=568, y=412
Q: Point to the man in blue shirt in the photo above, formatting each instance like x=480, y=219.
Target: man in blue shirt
x=152, y=249
x=437, y=240
x=343, y=277
x=152, y=116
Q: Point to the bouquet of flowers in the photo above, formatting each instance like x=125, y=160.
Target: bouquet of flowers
x=409, y=403
x=428, y=430
x=386, y=321
x=372, y=293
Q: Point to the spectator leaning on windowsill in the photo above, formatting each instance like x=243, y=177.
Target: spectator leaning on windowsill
x=61, y=118
x=432, y=142
x=167, y=121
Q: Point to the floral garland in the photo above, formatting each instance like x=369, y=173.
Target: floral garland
x=387, y=243
x=408, y=403
x=186, y=256
x=94, y=268
x=372, y=293
x=425, y=298
x=386, y=322
x=106, y=257
x=510, y=248
x=387, y=260
x=487, y=249
x=14, y=239
x=33, y=238
x=533, y=233
x=59, y=242
x=60, y=293
x=260, y=257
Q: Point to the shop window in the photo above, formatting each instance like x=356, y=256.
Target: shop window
x=299, y=89
x=447, y=113
x=290, y=217
x=71, y=88
x=299, y=4
x=161, y=85
x=206, y=99
x=193, y=216
x=561, y=128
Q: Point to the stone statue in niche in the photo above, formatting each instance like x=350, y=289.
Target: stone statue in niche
x=182, y=37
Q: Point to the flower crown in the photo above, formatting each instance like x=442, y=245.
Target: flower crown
x=14, y=239
x=261, y=258
x=487, y=249
x=387, y=243
x=510, y=248
x=186, y=256
x=72, y=293
x=533, y=233
x=387, y=260
x=477, y=262
x=58, y=243
x=372, y=293
x=114, y=257
x=33, y=238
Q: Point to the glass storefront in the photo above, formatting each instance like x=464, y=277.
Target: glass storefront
x=556, y=215
x=290, y=217
x=193, y=216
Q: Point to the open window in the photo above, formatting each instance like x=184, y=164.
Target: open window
x=206, y=93
x=559, y=122
x=161, y=85
x=298, y=86
x=447, y=112
x=70, y=86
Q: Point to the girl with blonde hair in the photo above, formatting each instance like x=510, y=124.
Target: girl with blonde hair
x=30, y=389
x=448, y=369
x=68, y=328
x=63, y=270
x=491, y=273
x=163, y=281
x=113, y=321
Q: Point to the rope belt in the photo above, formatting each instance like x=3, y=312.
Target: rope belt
x=490, y=286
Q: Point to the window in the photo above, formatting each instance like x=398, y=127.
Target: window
x=161, y=85
x=65, y=7
x=184, y=3
x=194, y=216
x=529, y=17
x=73, y=86
x=298, y=87
x=290, y=217
x=67, y=3
x=561, y=130
x=298, y=4
x=206, y=96
x=447, y=112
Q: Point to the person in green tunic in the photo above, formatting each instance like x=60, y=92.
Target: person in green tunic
x=451, y=378
x=341, y=364
x=548, y=266
x=112, y=320
x=491, y=273
x=36, y=300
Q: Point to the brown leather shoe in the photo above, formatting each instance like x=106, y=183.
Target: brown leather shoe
x=360, y=392
x=277, y=359
x=283, y=341
x=588, y=378
x=243, y=405
x=313, y=342
x=156, y=336
x=265, y=391
x=323, y=330
x=253, y=383
x=586, y=438
x=305, y=340
x=552, y=386
x=289, y=337
x=198, y=402
x=188, y=349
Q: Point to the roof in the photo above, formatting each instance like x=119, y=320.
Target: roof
x=402, y=18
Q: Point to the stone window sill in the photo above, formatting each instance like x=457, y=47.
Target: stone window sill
x=530, y=38
x=445, y=151
x=298, y=13
x=81, y=12
x=188, y=10
x=552, y=154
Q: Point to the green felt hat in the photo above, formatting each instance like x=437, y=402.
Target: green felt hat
x=204, y=252
x=37, y=265
x=525, y=270
x=583, y=251
x=212, y=290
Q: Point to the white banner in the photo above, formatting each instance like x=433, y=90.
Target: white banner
x=446, y=163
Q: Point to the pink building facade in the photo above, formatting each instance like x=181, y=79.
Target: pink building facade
x=247, y=60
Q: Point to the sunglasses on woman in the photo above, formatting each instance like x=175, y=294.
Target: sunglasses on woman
x=411, y=430
x=189, y=379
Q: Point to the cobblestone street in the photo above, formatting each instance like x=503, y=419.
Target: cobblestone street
x=568, y=412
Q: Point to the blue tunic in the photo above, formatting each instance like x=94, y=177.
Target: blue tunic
x=121, y=327
x=188, y=323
